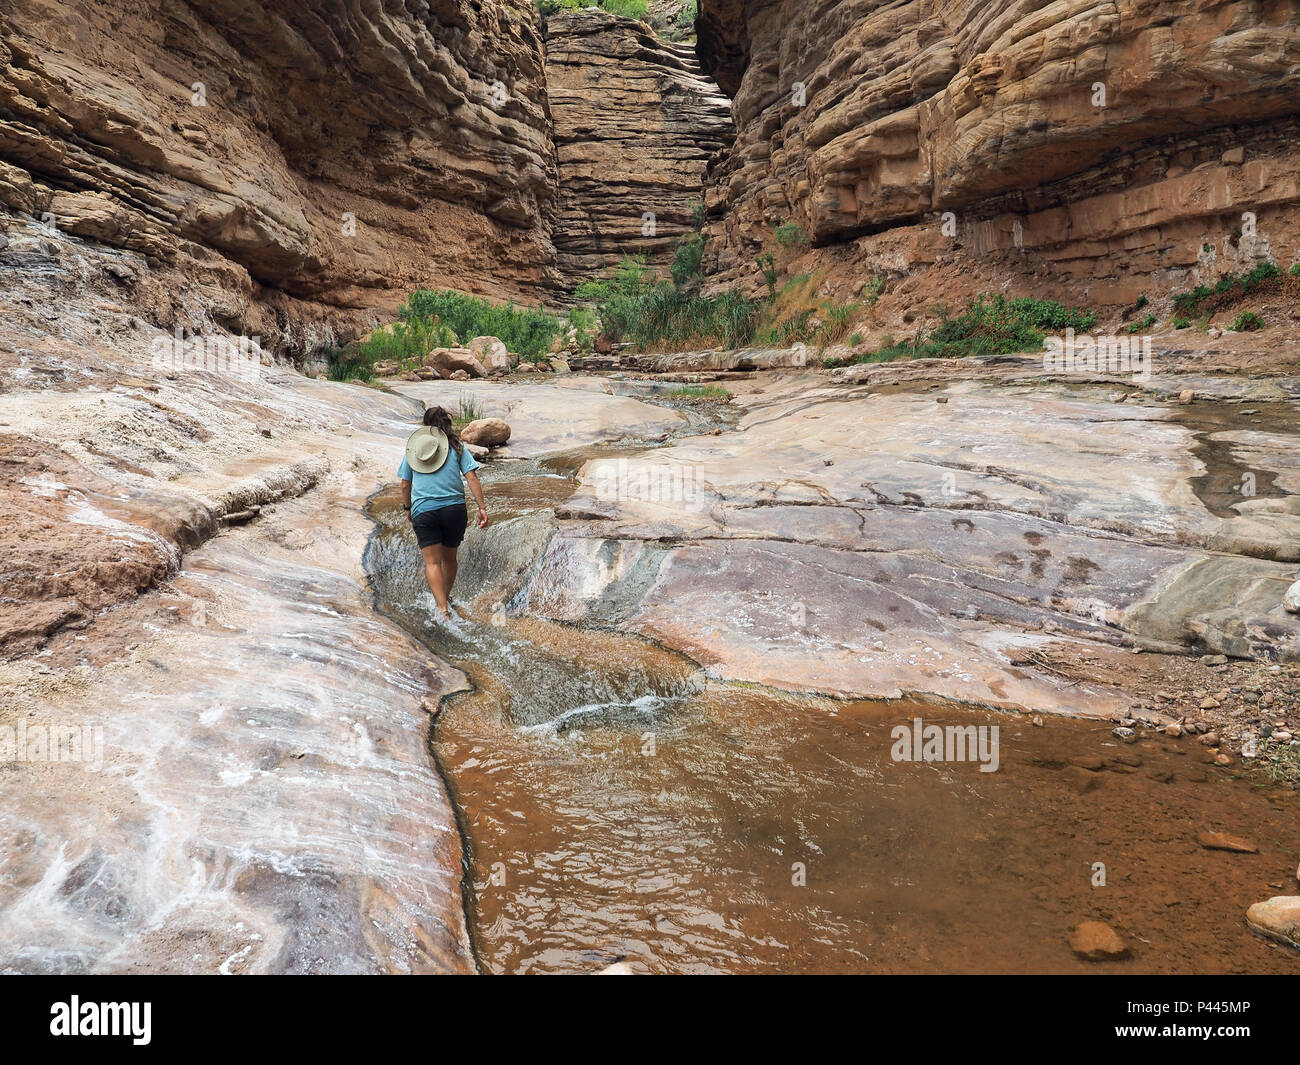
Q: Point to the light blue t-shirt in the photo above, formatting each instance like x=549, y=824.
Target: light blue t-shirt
x=442, y=488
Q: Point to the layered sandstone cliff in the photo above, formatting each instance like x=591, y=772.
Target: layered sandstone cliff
x=1080, y=145
x=288, y=164
x=635, y=123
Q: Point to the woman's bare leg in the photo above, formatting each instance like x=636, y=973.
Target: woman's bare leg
x=448, y=567
x=433, y=573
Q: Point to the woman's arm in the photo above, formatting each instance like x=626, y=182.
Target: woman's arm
x=406, y=497
x=471, y=479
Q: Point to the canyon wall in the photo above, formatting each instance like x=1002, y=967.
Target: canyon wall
x=635, y=123
x=1084, y=146
x=288, y=168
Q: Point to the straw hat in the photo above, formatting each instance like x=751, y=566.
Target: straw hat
x=426, y=449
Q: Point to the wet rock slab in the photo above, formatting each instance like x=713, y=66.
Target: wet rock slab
x=879, y=544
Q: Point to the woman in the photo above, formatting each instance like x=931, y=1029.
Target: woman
x=432, y=489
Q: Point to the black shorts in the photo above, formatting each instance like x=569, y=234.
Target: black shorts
x=445, y=526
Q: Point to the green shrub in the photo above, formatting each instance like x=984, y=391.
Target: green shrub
x=1146, y=323
x=348, y=366
x=1295, y=270
x=1142, y=301
x=1180, y=322
x=686, y=259
x=789, y=236
x=873, y=288
x=990, y=325
x=1247, y=322
x=637, y=307
x=855, y=340
x=766, y=264
x=1188, y=303
x=525, y=331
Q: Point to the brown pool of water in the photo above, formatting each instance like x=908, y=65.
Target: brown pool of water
x=742, y=830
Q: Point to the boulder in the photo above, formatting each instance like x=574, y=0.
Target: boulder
x=492, y=353
x=1278, y=918
x=459, y=375
x=558, y=365
x=525, y=367
x=448, y=360
x=486, y=432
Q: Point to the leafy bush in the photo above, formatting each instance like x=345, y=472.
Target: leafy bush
x=686, y=259
x=528, y=332
x=1247, y=322
x=790, y=236
x=1265, y=274
x=348, y=366
x=1181, y=323
x=406, y=339
x=1142, y=301
x=1295, y=270
x=990, y=325
x=872, y=289
x=1145, y=323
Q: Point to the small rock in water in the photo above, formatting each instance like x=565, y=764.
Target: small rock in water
x=1124, y=734
x=1097, y=941
x=1210, y=739
x=1222, y=759
x=1186, y=395
x=1278, y=918
x=1223, y=841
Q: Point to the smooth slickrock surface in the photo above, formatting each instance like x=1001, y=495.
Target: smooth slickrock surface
x=265, y=801
x=886, y=545
x=635, y=123
x=990, y=110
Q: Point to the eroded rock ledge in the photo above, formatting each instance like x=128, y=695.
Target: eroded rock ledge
x=287, y=164
x=991, y=111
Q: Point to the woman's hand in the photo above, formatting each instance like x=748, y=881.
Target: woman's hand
x=482, y=518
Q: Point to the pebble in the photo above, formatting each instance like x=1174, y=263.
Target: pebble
x=1224, y=841
x=1124, y=734
x=1097, y=941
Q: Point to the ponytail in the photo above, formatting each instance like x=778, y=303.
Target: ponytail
x=439, y=418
